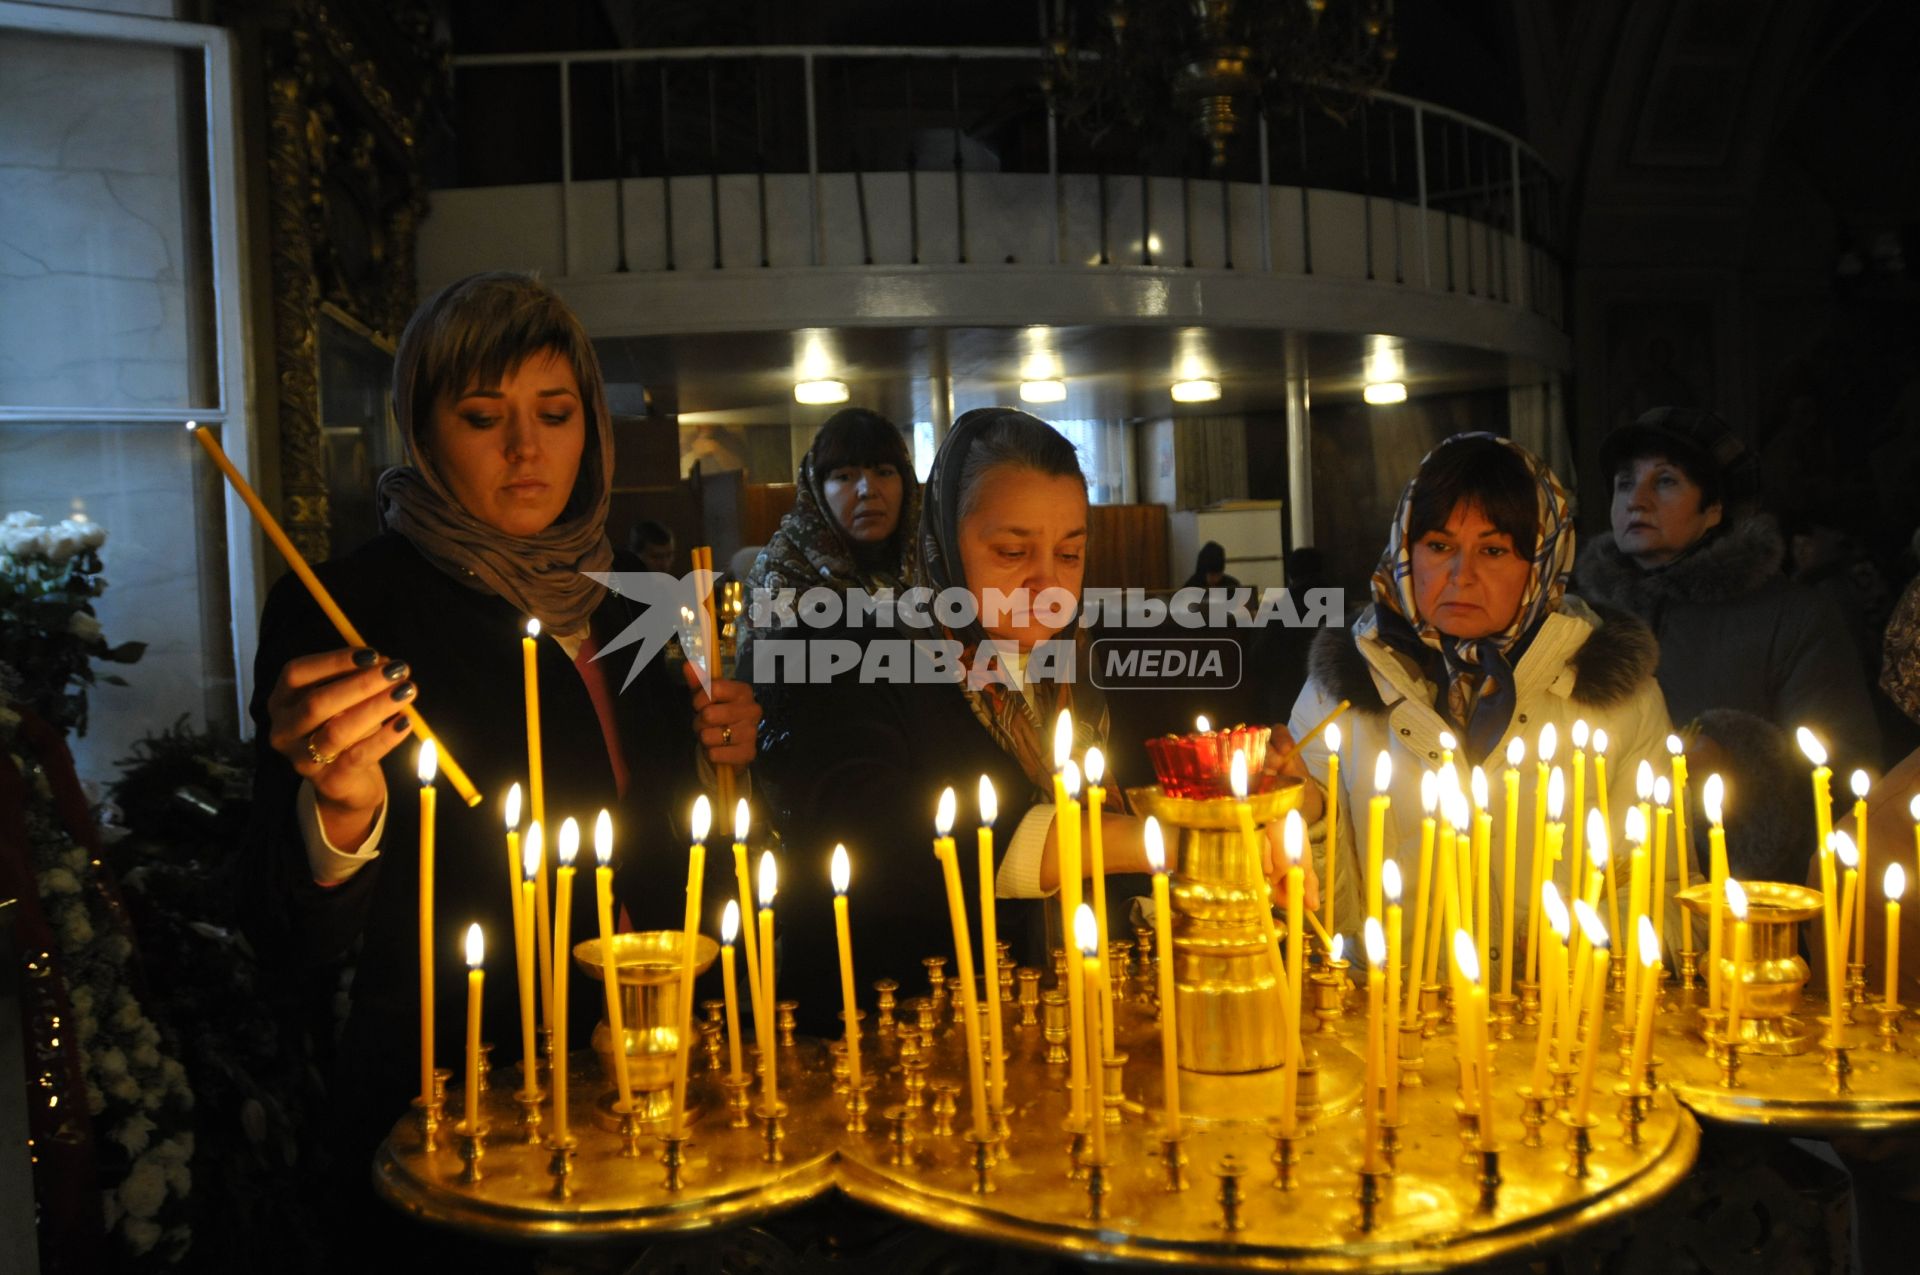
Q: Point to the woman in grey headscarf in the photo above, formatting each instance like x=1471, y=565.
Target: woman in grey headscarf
x=499, y=517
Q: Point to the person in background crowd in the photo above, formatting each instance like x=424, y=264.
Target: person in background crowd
x=652, y=543
x=1691, y=555
x=1210, y=569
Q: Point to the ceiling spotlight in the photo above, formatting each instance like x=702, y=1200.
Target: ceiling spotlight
x=1384, y=393
x=1196, y=391
x=820, y=393
x=1043, y=391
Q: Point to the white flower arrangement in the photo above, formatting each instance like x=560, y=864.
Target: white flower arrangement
x=49, y=633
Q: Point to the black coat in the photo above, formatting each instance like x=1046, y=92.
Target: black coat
x=864, y=764
x=465, y=653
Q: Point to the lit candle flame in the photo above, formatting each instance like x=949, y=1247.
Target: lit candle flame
x=603, y=838
x=1590, y=922
x=1896, y=881
x=1516, y=751
x=513, y=807
x=1816, y=751
x=1859, y=782
x=1913, y=807
x=943, y=813
x=1062, y=739
x=1070, y=777
x=533, y=628
x=1549, y=740
x=1457, y=812
x=1086, y=935
x=1237, y=775
x=1376, y=942
x=842, y=870
x=1479, y=788
x=1293, y=837
x=1556, y=911
x=569, y=841
x=1465, y=957
x=1201, y=726
x=769, y=879
x=1636, y=828
x=1580, y=732
x=1643, y=780
x=1650, y=942
x=1156, y=846
x=1597, y=838
x=989, y=803
x=1429, y=791
x=428, y=764
x=1447, y=741
x=1662, y=792
x=1713, y=796
x=531, y=851
x=1339, y=948
x=1736, y=899
x=730, y=922
x=1600, y=741
x=1390, y=881
x=702, y=818
x=1845, y=851
x=1096, y=765
x=1382, y=771
x=476, y=947
x=1333, y=738
x=1556, y=794
x=742, y=820
x=1674, y=746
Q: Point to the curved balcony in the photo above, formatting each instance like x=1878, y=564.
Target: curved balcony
x=753, y=189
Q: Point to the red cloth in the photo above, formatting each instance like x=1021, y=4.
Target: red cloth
x=601, y=691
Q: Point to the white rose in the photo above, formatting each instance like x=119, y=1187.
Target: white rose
x=58, y=881
x=75, y=930
x=142, y=1235
x=110, y=1063
x=62, y=544
x=94, y=535
x=147, y=1056
x=83, y=626
x=134, y=1134
x=128, y=1016
x=23, y=543
x=20, y=518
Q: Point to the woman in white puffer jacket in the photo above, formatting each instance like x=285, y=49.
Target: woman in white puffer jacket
x=1471, y=634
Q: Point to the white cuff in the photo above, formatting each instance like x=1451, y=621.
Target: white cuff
x=1019, y=874
x=329, y=864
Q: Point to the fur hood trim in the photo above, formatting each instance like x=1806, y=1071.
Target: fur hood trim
x=1729, y=565
x=1615, y=660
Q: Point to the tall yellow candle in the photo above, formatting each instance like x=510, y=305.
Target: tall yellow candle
x=427, y=766
x=1482, y=873
x=1649, y=944
x=1446, y=906
x=1588, y=928
x=1066, y=829
x=1662, y=817
x=765, y=1028
x=537, y=795
x=530, y=859
x=511, y=809
x=1861, y=785
x=1096, y=770
x=743, y=879
x=1294, y=841
x=1510, y=830
x=1376, y=945
x=568, y=847
x=963, y=952
x=1913, y=811
x=1163, y=948
x=1636, y=908
x=1596, y=997
x=1390, y=1026
x=1830, y=908
x=476, y=982
x=1085, y=937
x=1577, y=871
x=1254, y=848
x=1896, y=885
x=1542, y=864
x=729, y=931
x=1553, y=983
x=1376, y=834
x=1425, y=890
x=990, y=946
x=1447, y=744
x=842, y=873
x=1606, y=813
x=610, y=969
x=1849, y=858
x=690, y=945
x=1682, y=847
x=1737, y=989
x=1331, y=876
x=1475, y=1025
x=1712, y=799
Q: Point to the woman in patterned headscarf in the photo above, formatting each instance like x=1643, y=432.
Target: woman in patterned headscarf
x=1472, y=638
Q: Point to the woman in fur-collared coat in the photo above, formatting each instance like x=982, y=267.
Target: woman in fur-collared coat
x=1471, y=634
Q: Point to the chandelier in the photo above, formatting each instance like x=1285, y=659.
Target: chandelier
x=1139, y=64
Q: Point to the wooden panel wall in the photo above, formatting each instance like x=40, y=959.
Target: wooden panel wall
x=1127, y=547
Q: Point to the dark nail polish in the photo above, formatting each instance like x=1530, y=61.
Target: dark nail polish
x=402, y=693
x=366, y=657
x=401, y=725
x=396, y=670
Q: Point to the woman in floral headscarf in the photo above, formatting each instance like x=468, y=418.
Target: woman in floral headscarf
x=1472, y=635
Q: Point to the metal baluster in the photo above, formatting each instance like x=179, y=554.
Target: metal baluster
x=760, y=151
x=1186, y=217
x=959, y=171
x=566, y=166
x=1466, y=145
x=666, y=165
x=1306, y=218
x=852, y=130
x=1393, y=188
x=1266, y=184
x=1366, y=183
x=1146, y=217
x=619, y=169
x=1446, y=183
x=913, y=176
x=713, y=162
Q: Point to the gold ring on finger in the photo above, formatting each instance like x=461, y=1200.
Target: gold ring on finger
x=726, y=736
x=320, y=758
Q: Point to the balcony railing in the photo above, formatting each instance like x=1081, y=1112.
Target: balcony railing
x=740, y=158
